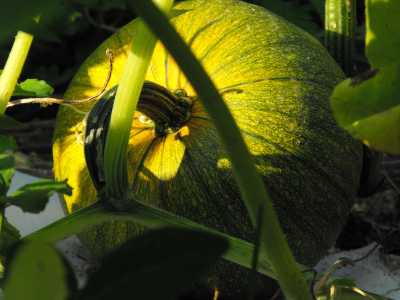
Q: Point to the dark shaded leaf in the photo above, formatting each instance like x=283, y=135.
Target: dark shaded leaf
x=39, y=31
x=33, y=88
x=298, y=14
x=160, y=264
x=103, y=5
x=7, y=144
x=18, y=14
x=37, y=271
x=33, y=197
x=10, y=123
x=9, y=236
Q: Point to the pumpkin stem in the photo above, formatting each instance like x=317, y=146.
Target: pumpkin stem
x=340, y=24
x=168, y=110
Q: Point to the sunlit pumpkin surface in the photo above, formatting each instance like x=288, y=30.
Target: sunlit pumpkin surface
x=276, y=80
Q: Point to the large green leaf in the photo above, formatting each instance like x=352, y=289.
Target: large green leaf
x=368, y=105
x=383, y=32
x=18, y=14
x=33, y=197
x=160, y=264
x=371, y=93
x=37, y=271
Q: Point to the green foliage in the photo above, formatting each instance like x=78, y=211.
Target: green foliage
x=298, y=14
x=34, y=197
x=9, y=236
x=383, y=28
x=368, y=106
x=33, y=88
x=18, y=15
x=102, y=5
x=160, y=264
x=7, y=148
x=37, y=271
x=8, y=122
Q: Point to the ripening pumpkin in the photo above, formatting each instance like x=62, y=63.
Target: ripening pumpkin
x=276, y=80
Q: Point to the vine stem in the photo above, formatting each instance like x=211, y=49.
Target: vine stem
x=340, y=24
x=125, y=103
x=9, y=78
x=250, y=183
x=240, y=252
x=13, y=67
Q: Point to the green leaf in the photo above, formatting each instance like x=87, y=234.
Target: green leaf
x=160, y=264
x=342, y=282
x=8, y=144
x=383, y=27
x=298, y=14
x=37, y=271
x=33, y=88
x=10, y=123
x=7, y=147
x=39, y=31
x=33, y=197
x=9, y=236
x=103, y=5
x=368, y=107
x=18, y=14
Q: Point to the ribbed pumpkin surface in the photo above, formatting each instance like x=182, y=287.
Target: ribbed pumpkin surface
x=276, y=80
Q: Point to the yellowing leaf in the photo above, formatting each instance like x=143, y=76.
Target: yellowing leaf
x=372, y=92
x=380, y=131
x=383, y=27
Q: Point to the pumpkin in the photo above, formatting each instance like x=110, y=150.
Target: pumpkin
x=276, y=80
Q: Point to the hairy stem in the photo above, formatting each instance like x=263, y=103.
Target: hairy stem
x=340, y=25
x=125, y=104
x=13, y=67
x=240, y=252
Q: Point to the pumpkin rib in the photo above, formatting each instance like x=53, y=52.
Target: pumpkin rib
x=240, y=84
x=301, y=80
x=166, y=69
x=316, y=169
x=191, y=40
x=141, y=164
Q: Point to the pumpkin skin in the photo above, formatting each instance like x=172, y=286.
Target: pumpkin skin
x=276, y=80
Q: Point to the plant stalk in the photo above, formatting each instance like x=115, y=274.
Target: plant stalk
x=9, y=78
x=126, y=100
x=13, y=67
x=240, y=252
x=340, y=26
x=250, y=183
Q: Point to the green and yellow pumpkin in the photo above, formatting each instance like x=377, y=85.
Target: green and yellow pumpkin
x=276, y=80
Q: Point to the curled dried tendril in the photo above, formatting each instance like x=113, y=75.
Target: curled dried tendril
x=70, y=103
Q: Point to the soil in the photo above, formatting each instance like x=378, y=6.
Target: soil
x=374, y=217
